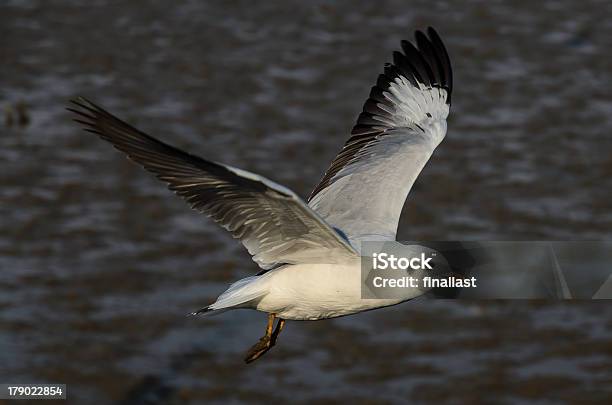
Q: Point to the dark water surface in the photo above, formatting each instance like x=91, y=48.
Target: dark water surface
x=100, y=263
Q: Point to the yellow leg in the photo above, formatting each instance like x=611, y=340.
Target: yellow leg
x=267, y=341
x=271, y=318
x=277, y=331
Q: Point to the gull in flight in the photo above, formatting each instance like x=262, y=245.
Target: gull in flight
x=309, y=251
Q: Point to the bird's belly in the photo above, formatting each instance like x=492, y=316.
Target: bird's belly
x=318, y=291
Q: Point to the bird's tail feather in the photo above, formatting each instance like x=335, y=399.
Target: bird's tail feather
x=208, y=311
x=238, y=295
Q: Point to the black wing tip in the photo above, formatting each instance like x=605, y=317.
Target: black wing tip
x=431, y=32
x=438, y=44
x=83, y=103
x=86, y=112
x=420, y=36
x=432, y=49
x=425, y=60
x=79, y=101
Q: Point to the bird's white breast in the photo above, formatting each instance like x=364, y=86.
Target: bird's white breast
x=319, y=291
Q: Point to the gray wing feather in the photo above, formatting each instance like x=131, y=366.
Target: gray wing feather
x=404, y=119
x=272, y=222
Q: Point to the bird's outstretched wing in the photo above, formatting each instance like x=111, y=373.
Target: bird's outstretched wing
x=273, y=223
x=404, y=119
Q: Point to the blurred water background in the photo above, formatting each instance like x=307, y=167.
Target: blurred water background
x=100, y=264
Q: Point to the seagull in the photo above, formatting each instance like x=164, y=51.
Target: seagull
x=309, y=251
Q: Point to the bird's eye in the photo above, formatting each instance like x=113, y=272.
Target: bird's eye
x=428, y=114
